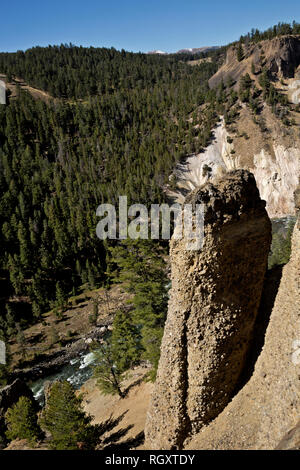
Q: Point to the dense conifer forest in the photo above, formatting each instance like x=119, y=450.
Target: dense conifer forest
x=119, y=124
x=113, y=123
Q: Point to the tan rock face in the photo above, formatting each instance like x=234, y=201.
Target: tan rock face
x=270, y=151
x=291, y=441
x=265, y=413
x=273, y=158
x=282, y=57
x=213, y=305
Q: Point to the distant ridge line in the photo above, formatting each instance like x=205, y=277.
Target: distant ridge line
x=193, y=50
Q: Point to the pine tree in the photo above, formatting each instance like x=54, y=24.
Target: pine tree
x=10, y=321
x=142, y=270
x=60, y=297
x=64, y=418
x=90, y=275
x=21, y=421
x=4, y=375
x=105, y=370
x=281, y=247
x=240, y=52
x=54, y=338
x=94, y=315
x=126, y=344
x=21, y=340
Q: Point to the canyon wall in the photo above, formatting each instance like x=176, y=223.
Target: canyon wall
x=276, y=166
x=265, y=143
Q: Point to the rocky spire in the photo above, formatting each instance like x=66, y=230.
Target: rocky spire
x=214, y=301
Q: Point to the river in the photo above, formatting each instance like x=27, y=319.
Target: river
x=77, y=372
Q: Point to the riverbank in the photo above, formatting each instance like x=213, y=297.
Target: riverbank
x=53, y=342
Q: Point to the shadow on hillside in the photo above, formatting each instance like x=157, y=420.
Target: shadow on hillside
x=133, y=384
x=270, y=289
x=129, y=444
x=110, y=440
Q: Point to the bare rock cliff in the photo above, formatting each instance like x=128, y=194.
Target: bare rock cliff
x=213, y=305
x=265, y=413
x=266, y=145
x=281, y=58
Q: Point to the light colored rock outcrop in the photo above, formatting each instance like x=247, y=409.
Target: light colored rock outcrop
x=197, y=169
x=277, y=178
x=294, y=91
x=214, y=301
x=265, y=144
x=276, y=167
x=268, y=406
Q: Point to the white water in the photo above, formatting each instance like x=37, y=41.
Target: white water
x=77, y=372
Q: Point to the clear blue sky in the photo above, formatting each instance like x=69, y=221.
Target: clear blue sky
x=137, y=25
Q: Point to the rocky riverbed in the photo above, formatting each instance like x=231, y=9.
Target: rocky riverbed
x=53, y=363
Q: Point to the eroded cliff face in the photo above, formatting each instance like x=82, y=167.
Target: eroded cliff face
x=281, y=58
x=197, y=169
x=273, y=158
x=277, y=178
x=265, y=413
x=213, y=305
x=264, y=144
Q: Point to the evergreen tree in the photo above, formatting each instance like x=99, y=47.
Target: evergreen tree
x=21, y=421
x=10, y=321
x=54, y=338
x=240, y=52
x=60, y=297
x=126, y=344
x=105, y=370
x=21, y=340
x=63, y=417
x=4, y=375
x=142, y=270
x=281, y=247
x=94, y=315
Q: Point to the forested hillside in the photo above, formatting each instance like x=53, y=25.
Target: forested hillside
x=137, y=116
x=280, y=29
x=84, y=126
x=67, y=71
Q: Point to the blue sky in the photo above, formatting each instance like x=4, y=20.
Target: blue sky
x=135, y=25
